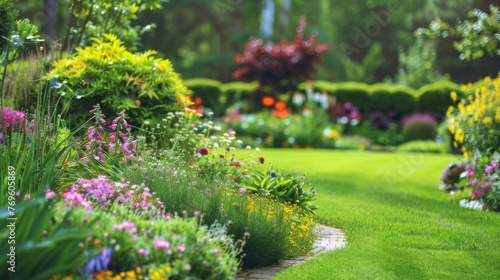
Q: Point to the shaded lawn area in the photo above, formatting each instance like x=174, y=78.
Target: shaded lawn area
x=399, y=225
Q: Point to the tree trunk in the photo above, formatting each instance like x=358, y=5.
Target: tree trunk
x=50, y=18
x=267, y=19
x=284, y=13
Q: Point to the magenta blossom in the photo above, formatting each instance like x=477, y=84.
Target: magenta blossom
x=236, y=163
x=486, y=186
x=474, y=182
x=476, y=194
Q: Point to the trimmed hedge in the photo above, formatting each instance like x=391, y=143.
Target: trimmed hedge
x=237, y=91
x=208, y=90
x=436, y=98
x=399, y=99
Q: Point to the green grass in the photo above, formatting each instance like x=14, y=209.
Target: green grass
x=399, y=225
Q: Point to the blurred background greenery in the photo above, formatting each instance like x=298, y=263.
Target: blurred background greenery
x=370, y=40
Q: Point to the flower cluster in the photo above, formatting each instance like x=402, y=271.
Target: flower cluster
x=118, y=142
x=103, y=192
x=475, y=120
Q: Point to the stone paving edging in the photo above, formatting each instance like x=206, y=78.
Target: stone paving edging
x=330, y=239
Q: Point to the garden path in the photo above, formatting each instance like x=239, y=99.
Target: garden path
x=330, y=239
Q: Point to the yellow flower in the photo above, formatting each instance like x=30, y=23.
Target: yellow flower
x=459, y=135
x=488, y=121
x=453, y=96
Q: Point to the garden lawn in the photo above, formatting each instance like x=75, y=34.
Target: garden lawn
x=399, y=225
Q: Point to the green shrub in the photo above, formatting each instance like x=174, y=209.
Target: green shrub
x=435, y=98
x=208, y=92
x=107, y=73
x=422, y=146
x=234, y=92
x=8, y=25
x=419, y=127
x=399, y=99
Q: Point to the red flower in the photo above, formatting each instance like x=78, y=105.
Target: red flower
x=203, y=151
x=261, y=160
x=236, y=162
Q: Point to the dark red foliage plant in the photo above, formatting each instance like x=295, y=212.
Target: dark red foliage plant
x=280, y=66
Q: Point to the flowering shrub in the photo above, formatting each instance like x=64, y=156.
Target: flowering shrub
x=475, y=121
x=480, y=177
x=419, y=127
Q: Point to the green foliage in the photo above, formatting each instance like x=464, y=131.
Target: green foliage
x=416, y=66
x=285, y=188
x=421, y=146
x=34, y=151
x=209, y=91
x=44, y=246
x=387, y=98
x=8, y=24
x=476, y=36
x=239, y=94
x=92, y=20
x=145, y=86
x=435, y=97
x=386, y=137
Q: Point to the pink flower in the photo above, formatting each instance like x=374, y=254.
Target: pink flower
x=469, y=174
x=236, y=163
x=494, y=163
x=242, y=191
x=27, y=196
x=261, y=160
x=203, y=151
x=181, y=248
x=197, y=213
x=488, y=169
x=486, y=186
x=474, y=182
x=162, y=244
x=476, y=194
x=49, y=194
x=143, y=252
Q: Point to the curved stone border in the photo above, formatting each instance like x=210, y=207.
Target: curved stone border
x=330, y=239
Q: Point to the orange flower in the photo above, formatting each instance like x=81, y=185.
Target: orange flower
x=280, y=113
x=249, y=207
x=197, y=101
x=267, y=101
x=280, y=105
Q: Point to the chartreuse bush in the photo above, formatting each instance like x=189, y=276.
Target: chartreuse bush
x=205, y=93
x=106, y=73
x=397, y=223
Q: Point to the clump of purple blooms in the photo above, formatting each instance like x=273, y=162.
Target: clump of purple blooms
x=11, y=119
x=103, y=192
x=118, y=141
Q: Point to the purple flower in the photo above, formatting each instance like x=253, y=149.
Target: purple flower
x=486, y=186
x=99, y=262
x=476, y=194
x=469, y=173
x=143, y=252
x=261, y=160
x=494, y=163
